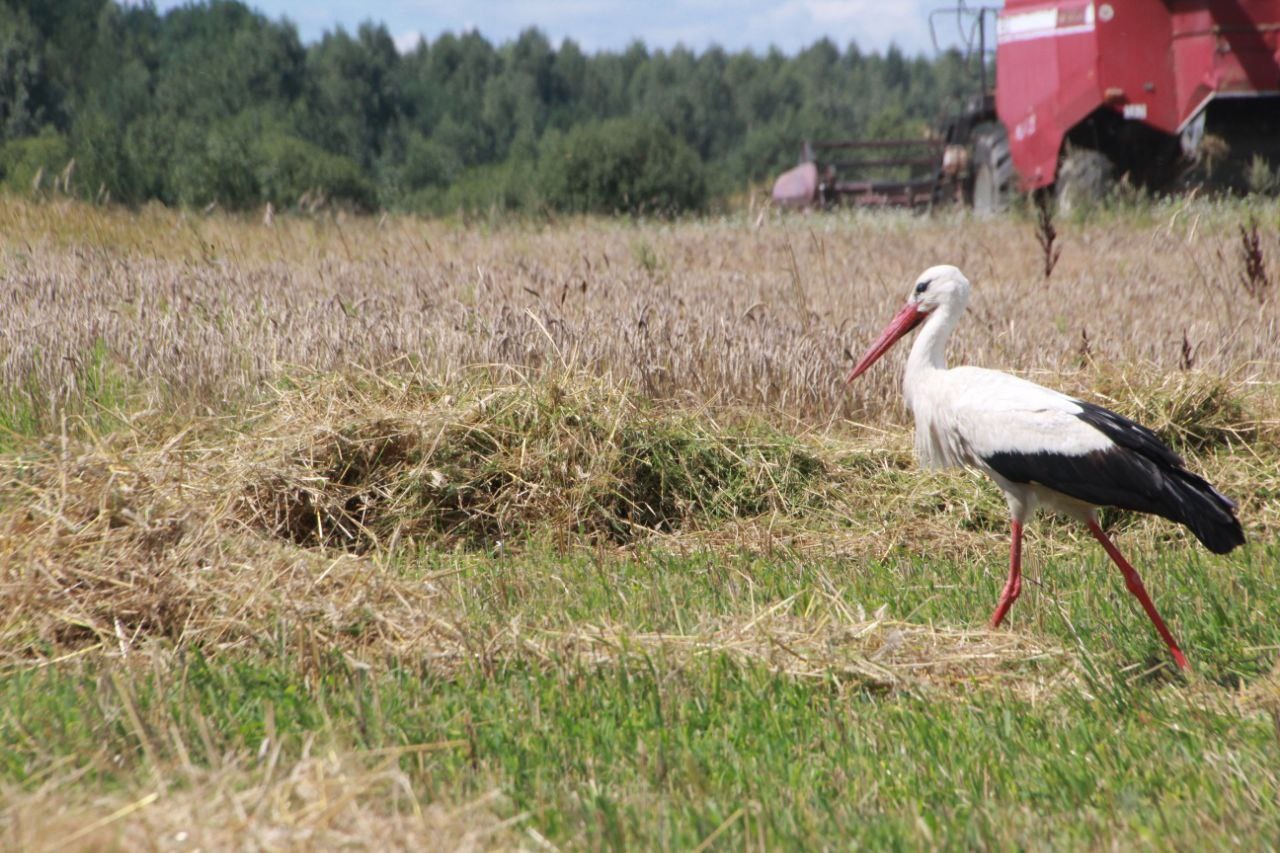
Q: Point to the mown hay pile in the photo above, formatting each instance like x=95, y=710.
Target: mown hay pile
x=360, y=465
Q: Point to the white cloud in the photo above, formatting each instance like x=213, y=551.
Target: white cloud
x=407, y=41
x=793, y=24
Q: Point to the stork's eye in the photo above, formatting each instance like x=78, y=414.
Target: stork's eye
x=923, y=286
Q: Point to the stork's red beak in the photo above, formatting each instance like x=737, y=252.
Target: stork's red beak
x=906, y=320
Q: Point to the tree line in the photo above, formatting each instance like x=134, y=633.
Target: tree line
x=214, y=102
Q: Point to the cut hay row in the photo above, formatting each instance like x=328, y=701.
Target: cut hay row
x=223, y=534
x=845, y=647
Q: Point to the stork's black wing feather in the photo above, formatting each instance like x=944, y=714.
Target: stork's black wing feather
x=1128, y=434
x=1138, y=472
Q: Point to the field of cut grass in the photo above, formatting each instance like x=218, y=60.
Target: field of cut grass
x=394, y=534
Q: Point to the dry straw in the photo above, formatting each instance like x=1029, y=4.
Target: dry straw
x=316, y=801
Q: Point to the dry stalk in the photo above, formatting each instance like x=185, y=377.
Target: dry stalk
x=1254, y=278
x=1047, y=234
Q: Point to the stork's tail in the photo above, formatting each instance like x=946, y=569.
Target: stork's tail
x=1208, y=513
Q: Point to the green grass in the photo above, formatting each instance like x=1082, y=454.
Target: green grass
x=92, y=405
x=652, y=751
x=641, y=755
x=1219, y=608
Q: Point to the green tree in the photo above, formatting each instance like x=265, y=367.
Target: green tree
x=623, y=165
x=104, y=170
x=427, y=163
x=217, y=60
x=287, y=168
x=34, y=163
x=212, y=101
x=353, y=101
x=24, y=85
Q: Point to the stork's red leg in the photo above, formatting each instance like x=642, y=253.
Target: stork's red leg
x=1012, y=587
x=1134, y=583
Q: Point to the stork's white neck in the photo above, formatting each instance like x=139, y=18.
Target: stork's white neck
x=929, y=352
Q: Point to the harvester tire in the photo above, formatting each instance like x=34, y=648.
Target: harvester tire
x=1084, y=177
x=992, y=170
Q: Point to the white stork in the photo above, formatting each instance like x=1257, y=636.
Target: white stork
x=1041, y=447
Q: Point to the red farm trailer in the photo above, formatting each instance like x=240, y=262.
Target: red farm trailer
x=1157, y=91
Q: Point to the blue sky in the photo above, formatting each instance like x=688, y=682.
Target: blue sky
x=611, y=24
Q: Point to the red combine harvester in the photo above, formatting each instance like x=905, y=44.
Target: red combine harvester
x=1160, y=91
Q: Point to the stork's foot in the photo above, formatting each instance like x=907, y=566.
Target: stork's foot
x=1012, y=590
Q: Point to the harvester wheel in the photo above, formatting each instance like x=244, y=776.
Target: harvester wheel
x=1083, y=179
x=992, y=170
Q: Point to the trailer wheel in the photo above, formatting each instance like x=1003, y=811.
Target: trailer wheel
x=1083, y=179
x=992, y=170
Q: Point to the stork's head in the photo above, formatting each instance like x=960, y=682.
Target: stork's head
x=939, y=286
x=942, y=287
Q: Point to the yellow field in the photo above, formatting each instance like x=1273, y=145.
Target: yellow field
x=763, y=313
